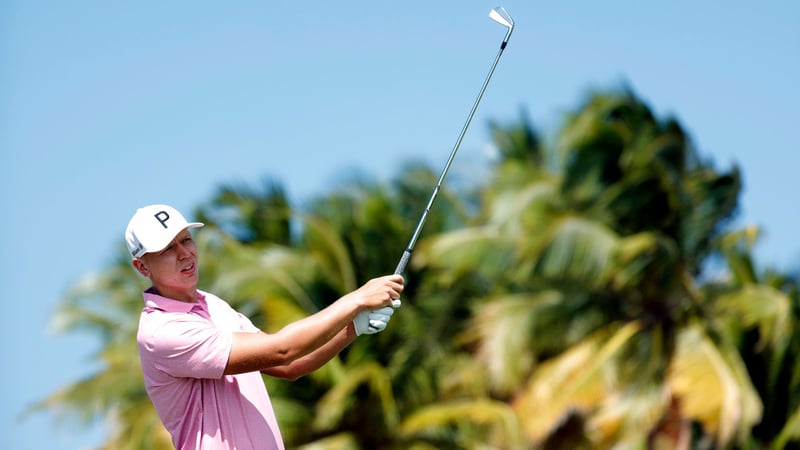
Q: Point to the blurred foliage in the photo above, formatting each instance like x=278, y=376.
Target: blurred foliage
x=590, y=294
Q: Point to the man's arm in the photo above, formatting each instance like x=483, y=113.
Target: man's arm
x=322, y=334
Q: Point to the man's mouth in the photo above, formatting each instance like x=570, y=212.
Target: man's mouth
x=188, y=268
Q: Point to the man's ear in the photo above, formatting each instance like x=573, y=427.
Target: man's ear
x=139, y=265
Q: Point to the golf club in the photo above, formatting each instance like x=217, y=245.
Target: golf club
x=501, y=16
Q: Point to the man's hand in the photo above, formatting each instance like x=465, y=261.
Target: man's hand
x=381, y=296
x=378, y=292
x=371, y=322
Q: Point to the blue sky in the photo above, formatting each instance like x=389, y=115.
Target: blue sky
x=105, y=107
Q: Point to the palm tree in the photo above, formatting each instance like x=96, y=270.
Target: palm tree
x=767, y=307
x=597, y=248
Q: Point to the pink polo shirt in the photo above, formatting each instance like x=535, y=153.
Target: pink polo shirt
x=184, y=348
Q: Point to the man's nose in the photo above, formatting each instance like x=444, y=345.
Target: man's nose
x=181, y=250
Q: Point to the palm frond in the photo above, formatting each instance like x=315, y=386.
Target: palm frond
x=713, y=386
x=327, y=247
x=477, y=248
x=340, y=397
x=578, y=379
x=574, y=249
x=511, y=331
x=762, y=306
x=434, y=422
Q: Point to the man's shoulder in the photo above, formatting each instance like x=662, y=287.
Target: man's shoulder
x=209, y=297
x=214, y=301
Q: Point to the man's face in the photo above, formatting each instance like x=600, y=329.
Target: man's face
x=173, y=271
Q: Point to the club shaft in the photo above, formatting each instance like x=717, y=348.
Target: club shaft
x=401, y=266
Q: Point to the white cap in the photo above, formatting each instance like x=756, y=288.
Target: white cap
x=153, y=227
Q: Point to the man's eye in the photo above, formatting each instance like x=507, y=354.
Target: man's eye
x=187, y=240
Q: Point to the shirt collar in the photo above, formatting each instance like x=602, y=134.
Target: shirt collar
x=153, y=300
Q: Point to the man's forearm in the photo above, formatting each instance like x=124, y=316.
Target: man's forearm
x=322, y=334
x=317, y=358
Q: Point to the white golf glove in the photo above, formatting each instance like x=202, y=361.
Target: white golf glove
x=371, y=322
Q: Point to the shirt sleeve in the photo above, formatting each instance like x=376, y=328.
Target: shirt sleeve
x=245, y=325
x=186, y=346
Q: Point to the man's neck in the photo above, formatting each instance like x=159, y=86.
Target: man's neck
x=181, y=295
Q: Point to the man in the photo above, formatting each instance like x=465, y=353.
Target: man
x=202, y=361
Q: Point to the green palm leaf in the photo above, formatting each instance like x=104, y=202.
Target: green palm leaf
x=574, y=249
x=471, y=249
x=340, y=398
x=762, y=306
x=326, y=246
x=467, y=417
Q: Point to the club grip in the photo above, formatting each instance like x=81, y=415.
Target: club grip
x=401, y=266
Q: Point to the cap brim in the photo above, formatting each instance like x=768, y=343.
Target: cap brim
x=165, y=244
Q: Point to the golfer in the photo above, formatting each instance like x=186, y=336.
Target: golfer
x=202, y=361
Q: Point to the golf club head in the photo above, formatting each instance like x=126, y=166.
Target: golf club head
x=501, y=16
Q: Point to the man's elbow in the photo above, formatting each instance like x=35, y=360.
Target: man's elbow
x=287, y=373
